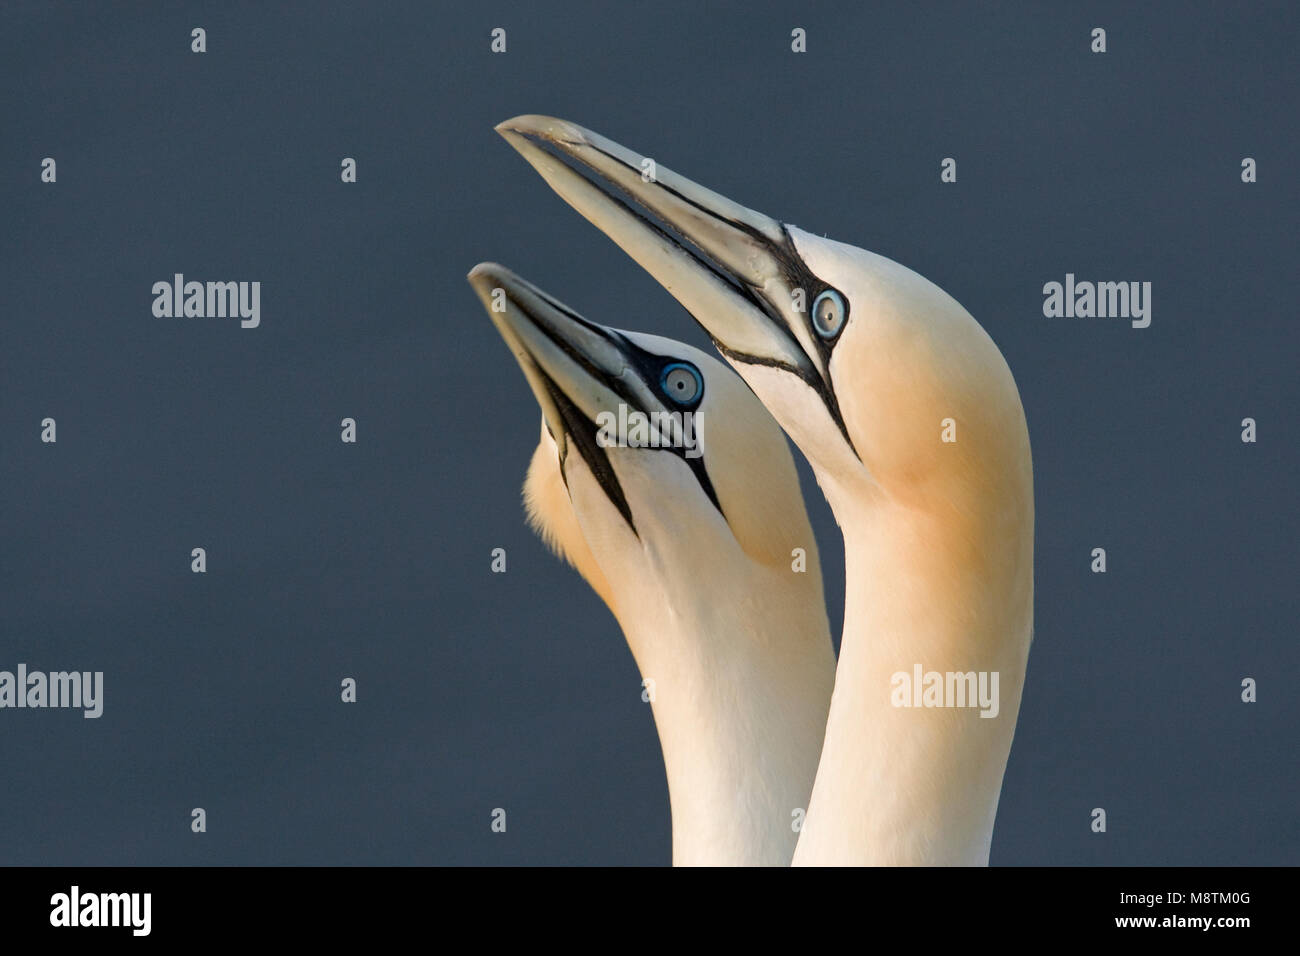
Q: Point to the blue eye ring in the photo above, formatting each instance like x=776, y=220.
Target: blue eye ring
x=678, y=388
x=829, y=323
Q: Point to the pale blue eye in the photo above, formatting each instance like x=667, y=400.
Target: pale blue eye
x=682, y=383
x=828, y=314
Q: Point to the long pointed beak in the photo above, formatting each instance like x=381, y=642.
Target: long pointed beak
x=735, y=270
x=577, y=369
x=728, y=265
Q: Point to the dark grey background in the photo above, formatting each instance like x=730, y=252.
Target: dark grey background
x=480, y=690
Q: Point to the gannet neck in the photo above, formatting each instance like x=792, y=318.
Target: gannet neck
x=919, y=785
x=742, y=683
x=863, y=362
x=698, y=541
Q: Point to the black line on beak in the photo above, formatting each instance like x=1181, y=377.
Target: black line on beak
x=797, y=273
x=650, y=367
x=580, y=434
x=581, y=429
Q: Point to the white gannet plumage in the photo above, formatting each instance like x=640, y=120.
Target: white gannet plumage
x=869, y=367
x=693, y=555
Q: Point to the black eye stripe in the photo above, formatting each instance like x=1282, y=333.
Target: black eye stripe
x=649, y=367
x=796, y=272
x=582, y=437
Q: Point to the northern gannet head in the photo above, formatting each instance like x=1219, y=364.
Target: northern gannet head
x=712, y=479
x=688, y=531
x=862, y=361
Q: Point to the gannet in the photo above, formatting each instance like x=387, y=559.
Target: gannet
x=912, y=422
x=691, y=547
